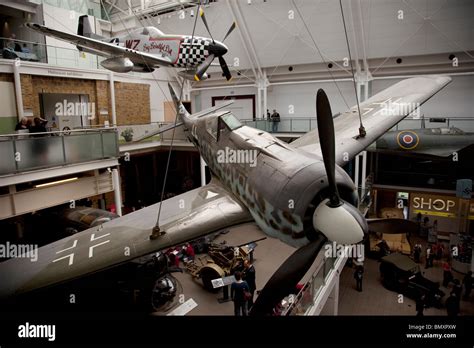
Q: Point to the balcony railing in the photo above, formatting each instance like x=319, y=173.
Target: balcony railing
x=303, y=125
x=32, y=151
x=304, y=300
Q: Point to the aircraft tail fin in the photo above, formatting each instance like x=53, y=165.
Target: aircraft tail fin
x=84, y=28
x=185, y=114
x=178, y=104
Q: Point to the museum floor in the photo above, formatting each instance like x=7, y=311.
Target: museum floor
x=270, y=254
x=376, y=300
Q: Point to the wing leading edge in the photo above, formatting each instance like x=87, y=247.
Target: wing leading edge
x=102, y=48
x=379, y=113
x=185, y=217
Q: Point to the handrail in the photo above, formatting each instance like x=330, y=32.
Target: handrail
x=67, y=132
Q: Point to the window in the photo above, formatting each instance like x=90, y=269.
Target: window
x=231, y=121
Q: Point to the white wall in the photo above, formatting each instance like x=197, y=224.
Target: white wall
x=66, y=54
x=303, y=98
x=299, y=97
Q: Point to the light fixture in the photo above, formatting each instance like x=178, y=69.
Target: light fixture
x=191, y=13
x=249, y=2
x=159, y=20
x=56, y=182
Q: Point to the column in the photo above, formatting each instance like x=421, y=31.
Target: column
x=112, y=98
x=203, y=171
x=18, y=94
x=117, y=191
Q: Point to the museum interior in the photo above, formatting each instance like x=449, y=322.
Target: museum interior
x=173, y=157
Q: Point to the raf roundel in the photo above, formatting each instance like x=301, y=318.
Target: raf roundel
x=407, y=140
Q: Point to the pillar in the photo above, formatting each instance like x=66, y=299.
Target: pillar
x=112, y=98
x=203, y=171
x=117, y=191
x=18, y=94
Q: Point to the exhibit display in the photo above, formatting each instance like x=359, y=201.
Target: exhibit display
x=273, y=159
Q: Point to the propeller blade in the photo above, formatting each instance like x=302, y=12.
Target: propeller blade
x=203, y=17
x=392, y=226
x=202, y=68
x=231, y=29
x=225, y=68
x=326, y=139
x=283, y=282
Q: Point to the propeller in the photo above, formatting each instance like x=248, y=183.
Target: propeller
x=225, y=68
x=231, y=29
x=392, y=226
x=283, y=282
x=338, y=220
x=204, y=20
x=216, y=49
x=202, y=68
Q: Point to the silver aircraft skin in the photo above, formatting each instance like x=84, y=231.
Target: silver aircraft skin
x=256, y=178
x=146, y=49
x=440, y=142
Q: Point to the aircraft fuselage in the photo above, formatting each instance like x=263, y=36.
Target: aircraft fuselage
x=281, y=186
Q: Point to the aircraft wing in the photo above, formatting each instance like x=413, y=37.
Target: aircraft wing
x=379, y=114
x=102, y=48
x=184, y=217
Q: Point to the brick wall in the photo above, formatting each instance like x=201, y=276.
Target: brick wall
x=132, y=100
x=132, y=103
x=6, y=77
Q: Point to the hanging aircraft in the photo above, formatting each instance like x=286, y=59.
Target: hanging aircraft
x=148, y=48
x=296, y=192
x=441, y=142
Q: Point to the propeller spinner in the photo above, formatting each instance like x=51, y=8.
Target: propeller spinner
x=338, y=220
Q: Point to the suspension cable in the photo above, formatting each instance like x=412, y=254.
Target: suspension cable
x=362, y=131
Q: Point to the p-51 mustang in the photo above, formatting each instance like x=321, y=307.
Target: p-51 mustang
x=148, y=48
x=295, y=192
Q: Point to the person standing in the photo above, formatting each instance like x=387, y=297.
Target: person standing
x=249, y=277
x=275, y=121
x=420, y=305
x=447, y=275
x=39, y=126
x=417, y=253
x=237, y=293
x=467, y=281
x=457, y=289
x=22, y=125
x=452, y=305
x=358, y=275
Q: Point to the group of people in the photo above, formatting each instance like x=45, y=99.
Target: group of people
x=243, y=289
x=274, y=118
x=453, y=302
x=37, y=126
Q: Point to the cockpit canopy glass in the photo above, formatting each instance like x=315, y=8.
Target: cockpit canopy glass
x=150, y=31
x=231, y=121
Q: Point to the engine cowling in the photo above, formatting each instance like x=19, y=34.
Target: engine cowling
x=118, y=64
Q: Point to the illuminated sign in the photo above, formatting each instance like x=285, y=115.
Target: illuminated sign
x=445, y=206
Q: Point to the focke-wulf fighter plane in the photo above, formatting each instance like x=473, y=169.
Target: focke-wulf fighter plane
x=146, y=49
x=295, y=192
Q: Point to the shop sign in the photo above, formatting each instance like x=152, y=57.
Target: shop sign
x=445, y=206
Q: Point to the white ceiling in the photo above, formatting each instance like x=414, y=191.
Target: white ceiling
x=428, y=26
